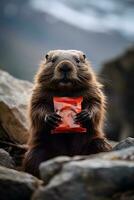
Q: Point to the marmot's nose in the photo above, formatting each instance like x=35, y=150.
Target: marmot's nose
x=65, y=67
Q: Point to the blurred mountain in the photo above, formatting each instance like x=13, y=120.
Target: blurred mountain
x=92, y=15
x=27, y=33
x=118, y=78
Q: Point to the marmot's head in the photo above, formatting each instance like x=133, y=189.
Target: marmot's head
x=65, y=71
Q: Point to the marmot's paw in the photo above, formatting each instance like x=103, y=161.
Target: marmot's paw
x=83, y=117
x=100, y=145
x=52, y=120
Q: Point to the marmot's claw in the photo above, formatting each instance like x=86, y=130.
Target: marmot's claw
x=53, y=120
x=83, y=116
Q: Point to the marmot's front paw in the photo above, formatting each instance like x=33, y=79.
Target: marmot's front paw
x=52, y=120
x=83, y=117
x=100, y=145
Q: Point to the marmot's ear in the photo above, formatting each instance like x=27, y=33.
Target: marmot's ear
x=84, y=56
x=46, y=56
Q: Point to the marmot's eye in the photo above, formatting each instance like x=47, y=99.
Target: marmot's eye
x=46, y=56
x=77, y=60
x=84, y=56
x=53, y=59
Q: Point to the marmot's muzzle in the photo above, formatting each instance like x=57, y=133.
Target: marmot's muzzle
x=65, y=66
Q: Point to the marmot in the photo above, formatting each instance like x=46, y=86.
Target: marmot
x=65, y=73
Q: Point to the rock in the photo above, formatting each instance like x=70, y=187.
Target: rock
x=51, y=167
x=5, y=159
x=124, y=154
x=128, y=142
x=124, y=196
x=16, y=185
x=118, y=80
x=3, y=135
x=16, y=151
x=102, y=176
x=14, y=95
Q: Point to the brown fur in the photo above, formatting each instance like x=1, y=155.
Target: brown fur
x=83, y=82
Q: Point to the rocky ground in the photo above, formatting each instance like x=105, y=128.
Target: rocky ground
x=102, y=176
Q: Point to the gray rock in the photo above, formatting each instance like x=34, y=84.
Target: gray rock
x=5, y=159
x=124, y=154
x=14, y=95
x=99, y=177
x=128, y=142
x=16, y=185
x=51, y=167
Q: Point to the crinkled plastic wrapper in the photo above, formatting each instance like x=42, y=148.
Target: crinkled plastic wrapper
x=67, y=108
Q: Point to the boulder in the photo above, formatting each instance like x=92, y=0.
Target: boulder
x=5, y=159
x=16, y=185
x=102, y=176
x=51, y=167
x=118, y=79
x=14, y=95
x=128, y=142
x=126, y=154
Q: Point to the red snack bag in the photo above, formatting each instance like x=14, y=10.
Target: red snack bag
x=67, y=108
